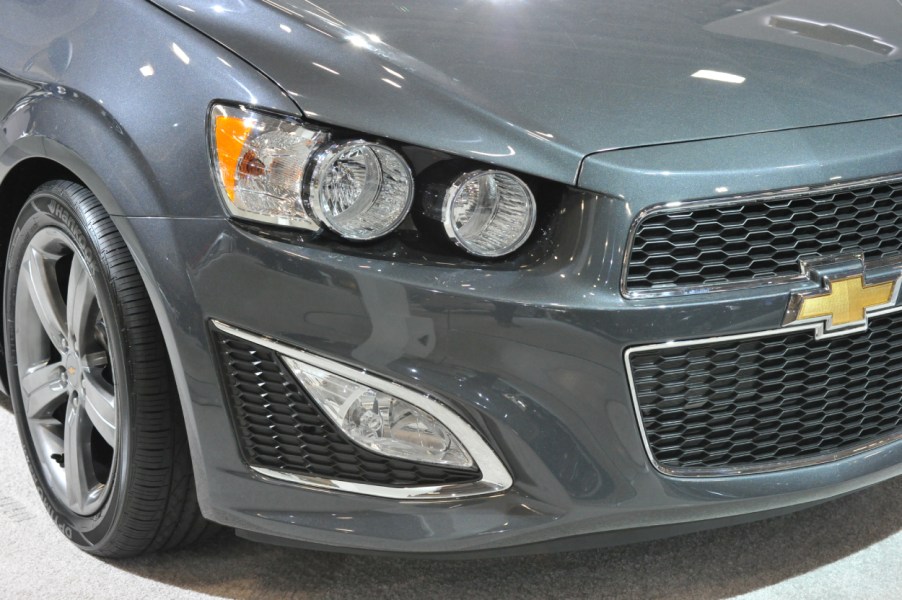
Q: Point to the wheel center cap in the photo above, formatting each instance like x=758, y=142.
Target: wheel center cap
x=72, y=364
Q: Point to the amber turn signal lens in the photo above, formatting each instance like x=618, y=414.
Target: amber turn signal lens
x=231, y=134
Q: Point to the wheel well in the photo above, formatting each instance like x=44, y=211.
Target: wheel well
x=17, y=186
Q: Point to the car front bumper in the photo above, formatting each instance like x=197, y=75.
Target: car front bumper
x=530, y=353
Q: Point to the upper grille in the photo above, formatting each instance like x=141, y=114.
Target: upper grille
x=762, y=239
x=770, y=400
x=280, y=427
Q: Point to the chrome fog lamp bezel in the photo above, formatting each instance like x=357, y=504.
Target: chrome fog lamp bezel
x=495, y=477
x=448, y=217
x=322, y=158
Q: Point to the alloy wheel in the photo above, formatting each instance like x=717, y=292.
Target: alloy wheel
x=65, y=369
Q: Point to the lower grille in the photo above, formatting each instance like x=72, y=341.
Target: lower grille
x=280, y=427
x=769, y=402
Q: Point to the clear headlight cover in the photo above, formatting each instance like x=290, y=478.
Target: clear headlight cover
x=379, y=421
x=360, y=190
x=278, y=170
x=261, y=162
x=489, y=213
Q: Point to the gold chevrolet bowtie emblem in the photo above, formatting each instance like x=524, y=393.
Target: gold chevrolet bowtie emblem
x=844, y=307
x=846, y=301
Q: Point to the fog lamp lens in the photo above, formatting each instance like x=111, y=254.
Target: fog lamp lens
x=379, y=421
x=360, y=190
x=489, y=213
x=260, y=163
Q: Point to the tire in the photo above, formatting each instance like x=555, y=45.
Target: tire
x=90, y=382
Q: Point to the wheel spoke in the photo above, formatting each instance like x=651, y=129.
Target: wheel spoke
x=79, y=300
x=51, y=436
x=100, y=405
x=43, y=390
x=42, y=285
x=76, y=444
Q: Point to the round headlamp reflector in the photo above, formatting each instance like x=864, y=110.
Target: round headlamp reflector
x=360, y=190
x=489, y=213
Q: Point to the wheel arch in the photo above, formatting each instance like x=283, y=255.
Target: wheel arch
x=34, y=160
x=25, y=177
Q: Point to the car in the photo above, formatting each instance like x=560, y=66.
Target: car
x=461, y=278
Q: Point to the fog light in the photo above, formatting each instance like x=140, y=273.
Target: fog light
x=380, y=421
x=360, y=190
x=489, y=213
x=389, y=418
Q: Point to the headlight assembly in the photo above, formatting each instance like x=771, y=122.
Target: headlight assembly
x=281, y=171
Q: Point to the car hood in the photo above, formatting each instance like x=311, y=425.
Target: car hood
x=537, y=85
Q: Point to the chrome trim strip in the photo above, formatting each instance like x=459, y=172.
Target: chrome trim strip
x=421, y=493
x=666, y=207
x=769, y=467
x=495, y=477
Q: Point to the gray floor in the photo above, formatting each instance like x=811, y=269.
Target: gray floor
x=851, y=548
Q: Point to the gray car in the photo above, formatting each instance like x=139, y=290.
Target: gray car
x=462, y=277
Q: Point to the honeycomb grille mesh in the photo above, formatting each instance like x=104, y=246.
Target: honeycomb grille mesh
x=765, y=239
x=777, y=398
x=280, y=427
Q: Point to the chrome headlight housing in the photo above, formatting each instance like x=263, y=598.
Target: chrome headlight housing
x=259, y=163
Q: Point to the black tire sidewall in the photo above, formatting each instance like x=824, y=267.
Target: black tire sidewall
x=50, y=207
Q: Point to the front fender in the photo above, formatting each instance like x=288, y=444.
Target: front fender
x=134, y=128
x=125, y=170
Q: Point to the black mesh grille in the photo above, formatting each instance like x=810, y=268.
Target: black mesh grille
x=763, y=239
x=280, y=427
x=776, y=398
